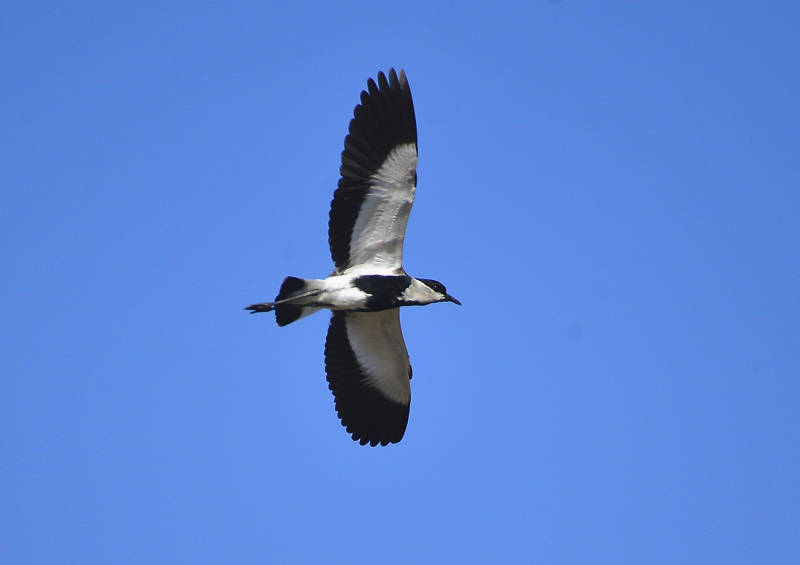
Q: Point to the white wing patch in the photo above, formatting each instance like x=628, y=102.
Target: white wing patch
x=381, y=225
x=377, y=342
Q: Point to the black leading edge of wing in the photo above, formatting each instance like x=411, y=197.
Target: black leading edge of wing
x=383, y=120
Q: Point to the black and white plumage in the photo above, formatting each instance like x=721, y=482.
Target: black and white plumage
x=366, y=359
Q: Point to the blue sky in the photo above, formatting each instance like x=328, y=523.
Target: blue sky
x=611, y=189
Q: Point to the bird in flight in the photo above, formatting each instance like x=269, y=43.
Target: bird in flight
x=366, y=360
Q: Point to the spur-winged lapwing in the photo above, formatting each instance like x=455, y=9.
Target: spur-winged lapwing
x=365, y=356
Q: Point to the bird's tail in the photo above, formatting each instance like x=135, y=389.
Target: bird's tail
x=290, y=304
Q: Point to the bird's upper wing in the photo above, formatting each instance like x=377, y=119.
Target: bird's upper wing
x=369, y=373
x=370, y=207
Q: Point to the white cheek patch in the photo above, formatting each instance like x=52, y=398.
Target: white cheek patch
x=420, y=293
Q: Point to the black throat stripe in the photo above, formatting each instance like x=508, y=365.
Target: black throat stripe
x=384, y=291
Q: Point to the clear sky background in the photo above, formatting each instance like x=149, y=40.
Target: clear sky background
x=611, y=189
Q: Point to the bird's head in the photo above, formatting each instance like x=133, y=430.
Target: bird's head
x=440, y=290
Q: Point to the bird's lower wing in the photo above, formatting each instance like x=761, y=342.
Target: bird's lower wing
x=369, y=374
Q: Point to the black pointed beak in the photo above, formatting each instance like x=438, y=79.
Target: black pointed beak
x=451, y=299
